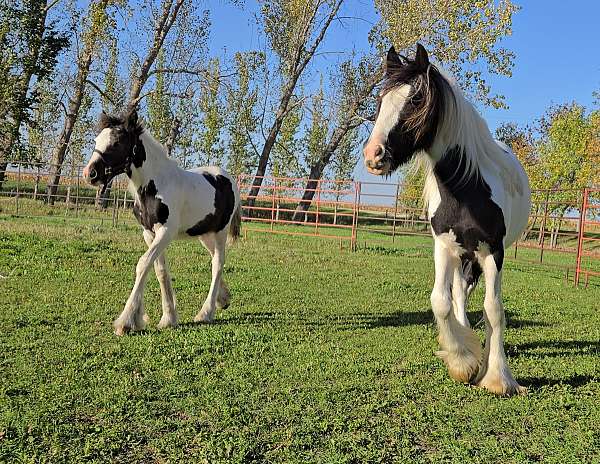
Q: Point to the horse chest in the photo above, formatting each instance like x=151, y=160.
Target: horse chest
x=148, y=209
x=466, y=208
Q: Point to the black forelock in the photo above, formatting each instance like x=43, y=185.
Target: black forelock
x=112, y=121
x=429, y=89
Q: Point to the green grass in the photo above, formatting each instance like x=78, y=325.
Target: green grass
x=324, y=356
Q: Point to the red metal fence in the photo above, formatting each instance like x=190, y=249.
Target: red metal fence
x=589, y=237
x=563, y=231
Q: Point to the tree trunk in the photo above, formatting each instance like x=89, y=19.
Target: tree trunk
x=173, y=135
x=60, y=150
x=163, y=26
x=300, y=64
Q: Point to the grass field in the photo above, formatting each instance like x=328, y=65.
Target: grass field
x=324, y=356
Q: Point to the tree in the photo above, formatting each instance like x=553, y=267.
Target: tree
x=242, y=120
x=446, y=28
x=212, y=116
x=462, y=34
x=294, y=30
x=96, y=25
x=30, y=43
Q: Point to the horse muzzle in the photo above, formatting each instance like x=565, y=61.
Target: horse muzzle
x=376, y=161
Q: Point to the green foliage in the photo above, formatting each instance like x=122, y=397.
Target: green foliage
x=316, y=132
x=30, y=45
x=242, y=120
x=285, y=160
x=462, y=34
x=113, y=99
x=159, y=105
x=212, y=116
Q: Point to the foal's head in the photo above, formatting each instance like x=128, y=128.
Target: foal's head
x=115, y=147
x=409, y=110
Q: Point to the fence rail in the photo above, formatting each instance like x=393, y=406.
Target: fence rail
x=562, y=221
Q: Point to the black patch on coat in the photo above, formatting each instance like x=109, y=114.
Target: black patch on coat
x=467, y=208
x=150, y=210
x=224, y=204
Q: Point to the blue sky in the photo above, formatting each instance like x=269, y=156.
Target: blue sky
x=557, y=47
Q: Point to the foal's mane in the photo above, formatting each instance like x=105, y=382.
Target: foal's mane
x=124, y=120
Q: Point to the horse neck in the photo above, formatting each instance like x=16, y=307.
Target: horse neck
x=156, y=163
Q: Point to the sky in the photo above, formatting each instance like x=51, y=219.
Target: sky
x=557, y=47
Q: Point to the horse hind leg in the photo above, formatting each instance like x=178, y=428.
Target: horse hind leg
x=223, y=295
x=465, y=279
x=460, y=348
x=216, y=242
x=495, y=375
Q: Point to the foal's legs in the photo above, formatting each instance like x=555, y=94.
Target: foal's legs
x=495, y=375
x=132, y=317
x=207, y=313
x=460, y=347
x=460, y=296
x=223, y=295
x=169, y=316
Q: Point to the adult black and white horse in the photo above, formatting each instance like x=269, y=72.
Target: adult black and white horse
x=478, y=200
x=170, y=203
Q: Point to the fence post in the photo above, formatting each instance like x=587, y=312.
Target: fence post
x=395, y=211
x=318, y=204
x=18, y=187
x=582, y=217
x=77, y=191
x=543, y=227
x=356, y=214
x=273, y=202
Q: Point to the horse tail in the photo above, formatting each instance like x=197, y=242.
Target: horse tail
x=235, y=226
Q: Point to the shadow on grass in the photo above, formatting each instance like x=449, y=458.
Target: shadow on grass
x=535, y=383
x=512, y=321
x=555, y=348
x=356, y=320
x=336, y=321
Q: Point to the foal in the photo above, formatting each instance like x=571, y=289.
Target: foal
x=170, y=203
x=478, y=203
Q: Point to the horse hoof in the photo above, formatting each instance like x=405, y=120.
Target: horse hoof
x=166, y=323
x=203, y=318
x=120, y=331
x=501, y=387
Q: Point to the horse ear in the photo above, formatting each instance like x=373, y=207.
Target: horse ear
x=104, y=120
x=131, y=120
x=421, y=57
x=392, y=60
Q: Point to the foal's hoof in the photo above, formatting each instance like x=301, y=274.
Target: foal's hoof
x=120, y=331
x=204, y=318
x=165, y=323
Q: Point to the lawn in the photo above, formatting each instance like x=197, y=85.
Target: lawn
x=323, y=356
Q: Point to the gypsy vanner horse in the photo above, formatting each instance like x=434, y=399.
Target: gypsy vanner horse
x=169, y=203
x=478, y=200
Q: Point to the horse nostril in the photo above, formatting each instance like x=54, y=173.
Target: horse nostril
x=378, y=151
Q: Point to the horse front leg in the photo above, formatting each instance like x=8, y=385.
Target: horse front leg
x=218, y=240
x=495, y=375
x=169, y=313
x=460, y=349
x=133, y=317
